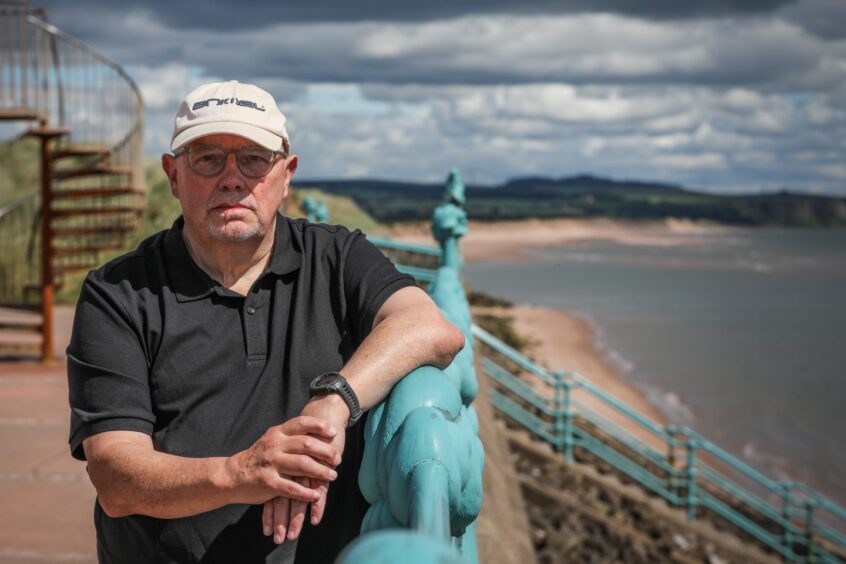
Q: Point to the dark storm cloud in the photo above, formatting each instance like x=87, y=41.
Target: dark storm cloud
x=200, y=14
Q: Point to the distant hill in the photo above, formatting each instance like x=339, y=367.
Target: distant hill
x=587, y=197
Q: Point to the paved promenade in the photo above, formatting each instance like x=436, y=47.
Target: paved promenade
x=46, y=500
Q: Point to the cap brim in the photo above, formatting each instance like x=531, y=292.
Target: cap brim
x=261, y=136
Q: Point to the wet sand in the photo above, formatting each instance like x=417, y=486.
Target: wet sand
x=507, y=240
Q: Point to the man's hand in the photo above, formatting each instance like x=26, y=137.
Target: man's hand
x=286, y=515
x=299, y=448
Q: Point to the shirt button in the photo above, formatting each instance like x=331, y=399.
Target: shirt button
x=251, y=310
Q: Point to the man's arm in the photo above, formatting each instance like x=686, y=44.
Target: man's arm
x=409, y=331
x=132, y=478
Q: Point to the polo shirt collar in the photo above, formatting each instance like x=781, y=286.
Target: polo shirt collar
x=190, y=282
x=287, y=250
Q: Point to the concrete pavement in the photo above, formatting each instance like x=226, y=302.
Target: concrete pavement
x=46, y=499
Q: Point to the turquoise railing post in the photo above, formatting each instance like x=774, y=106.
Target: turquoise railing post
x=692, y=445
x=809, y=529
x=672, y=482
x=787, y=516
x=321, y=214
x=423, y=460
x=309, y=207
x=563, y=415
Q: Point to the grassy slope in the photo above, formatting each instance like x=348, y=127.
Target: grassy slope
x=19, y=172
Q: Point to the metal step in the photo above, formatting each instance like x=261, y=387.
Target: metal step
x=71, y=251
x=100, y=170
x=19, y=318
x=79, y=151
x=48, y=132
x=73, y=212
x=68, y=268
x=105, y=230
x=94, y=192
x=14, y=114
x=16, y=344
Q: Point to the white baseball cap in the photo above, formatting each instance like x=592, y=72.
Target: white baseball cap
x=230, y=107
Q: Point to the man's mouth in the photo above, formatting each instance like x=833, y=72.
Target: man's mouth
x=231, y=205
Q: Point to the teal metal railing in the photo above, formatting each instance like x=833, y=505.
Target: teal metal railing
x=422, y=465
x=582, y=422
x=687, y=470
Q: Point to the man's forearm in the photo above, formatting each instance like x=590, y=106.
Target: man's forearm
x=132, y=478
x=405, y=340
x=164, y=486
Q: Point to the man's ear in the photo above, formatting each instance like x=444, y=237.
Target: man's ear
x=169, y=168
x=290, y=168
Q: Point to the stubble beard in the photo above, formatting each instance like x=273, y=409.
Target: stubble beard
x=236, y=231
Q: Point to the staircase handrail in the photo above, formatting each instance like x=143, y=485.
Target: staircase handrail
x=88, y=50
x=17, y=202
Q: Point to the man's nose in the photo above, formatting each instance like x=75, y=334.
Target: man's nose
x=231, y=177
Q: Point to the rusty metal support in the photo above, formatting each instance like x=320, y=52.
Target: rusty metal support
x=47, y=283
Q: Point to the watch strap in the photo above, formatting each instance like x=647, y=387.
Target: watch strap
x=340, y=386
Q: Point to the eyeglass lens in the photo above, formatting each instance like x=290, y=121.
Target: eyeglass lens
x=252, y=161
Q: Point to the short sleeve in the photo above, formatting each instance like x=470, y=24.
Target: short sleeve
x=370, y=278
x=107, y=368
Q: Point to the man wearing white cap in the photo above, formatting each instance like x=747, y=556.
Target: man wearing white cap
x=217, y=373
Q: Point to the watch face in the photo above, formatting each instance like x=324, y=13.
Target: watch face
x=326, y=380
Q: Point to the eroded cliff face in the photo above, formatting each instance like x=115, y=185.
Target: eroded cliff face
x=502, y=530
x=578, y=513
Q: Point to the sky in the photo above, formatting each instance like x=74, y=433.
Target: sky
x=727, y=96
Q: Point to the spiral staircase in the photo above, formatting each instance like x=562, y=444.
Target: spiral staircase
x=82, y=117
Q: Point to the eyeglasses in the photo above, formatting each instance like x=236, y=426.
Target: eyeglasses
x=209, y=160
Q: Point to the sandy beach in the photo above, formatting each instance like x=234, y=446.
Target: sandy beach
x=560, y=340
x=507, y=240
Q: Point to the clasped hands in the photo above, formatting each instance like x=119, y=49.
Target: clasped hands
x=296, y=461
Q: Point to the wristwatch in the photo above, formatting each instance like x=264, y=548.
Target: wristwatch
x=334, y=383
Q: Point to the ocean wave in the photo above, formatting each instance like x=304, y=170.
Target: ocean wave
x=776, y=464
x=671, y=405
x=610, y=355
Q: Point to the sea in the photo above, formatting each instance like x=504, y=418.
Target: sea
x=740, y=335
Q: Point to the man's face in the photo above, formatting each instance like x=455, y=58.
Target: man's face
x=229, y=206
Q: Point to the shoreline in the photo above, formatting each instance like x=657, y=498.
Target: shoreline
x=509, y=240
x=562, y=340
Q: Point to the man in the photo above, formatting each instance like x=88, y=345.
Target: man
x=213, y=371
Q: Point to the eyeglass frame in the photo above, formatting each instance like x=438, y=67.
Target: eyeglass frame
x=187, y=150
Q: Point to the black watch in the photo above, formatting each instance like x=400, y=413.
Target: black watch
x=334, y=383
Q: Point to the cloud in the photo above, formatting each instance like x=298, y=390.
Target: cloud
x=714, y=94
x=253, y=15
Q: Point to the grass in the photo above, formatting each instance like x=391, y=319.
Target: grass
x=19, y=169
x=342, y=210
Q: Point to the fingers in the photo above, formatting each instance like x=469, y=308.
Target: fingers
x=319, y=506
x=281, y=513
x=304, y=466
x=298, y=511
x=315, y=448
x=307, y=425
x=290, y=488
x=267, y=518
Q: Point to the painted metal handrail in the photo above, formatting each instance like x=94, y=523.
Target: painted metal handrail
x=792, y=530
x=383, y=243
x=422, y=465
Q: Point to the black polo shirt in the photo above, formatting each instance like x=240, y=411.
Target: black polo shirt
x=161, y=348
